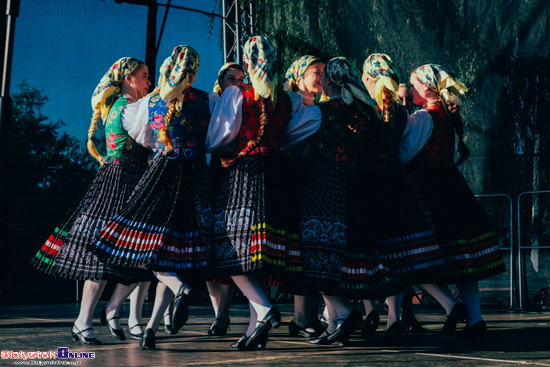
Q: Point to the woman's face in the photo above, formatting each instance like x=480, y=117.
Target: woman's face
x=311, y=80
x=369, y=83
x=325, y=83
x=139, y=81
x=418, y=90
x=231, y=77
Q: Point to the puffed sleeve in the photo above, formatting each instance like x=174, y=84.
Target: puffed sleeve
x=416, y=134
x=297, y=103
x=135, y=119
x=303, y=125
x=226, y=120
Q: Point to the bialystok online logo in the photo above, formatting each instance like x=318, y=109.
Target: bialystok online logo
x=62, y=353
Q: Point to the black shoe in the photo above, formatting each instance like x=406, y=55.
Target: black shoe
x=412, y=325
x=181, y=308
x=394, y=333
x=259, y=336
x=219, y=330
x=342, y=333
x=241, y=344
x=148, y=340
x=296, y=330
x=116, y=333
x=168, y=329
x=458, y=314
x=473, y=332
x=370, y=324
x=79, y=337
x=135, y=336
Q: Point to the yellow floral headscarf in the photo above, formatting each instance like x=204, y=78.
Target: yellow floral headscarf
x=175, y=73
x=380, y=68
x=261, y=58
x=297, y=70
x=440, y=81
x=343, y=73
x=105, y=93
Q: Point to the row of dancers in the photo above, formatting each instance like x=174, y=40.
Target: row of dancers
x=328, y=185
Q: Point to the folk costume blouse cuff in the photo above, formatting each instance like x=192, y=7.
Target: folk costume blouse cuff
x=302, y=126
x=226, y=120
x=135, y=119
x=416, y=134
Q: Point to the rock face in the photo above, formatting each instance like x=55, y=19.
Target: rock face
x=499, y=49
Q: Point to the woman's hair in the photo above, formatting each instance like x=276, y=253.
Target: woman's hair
x=389, y=106
x=93, y=125
x=226, y=162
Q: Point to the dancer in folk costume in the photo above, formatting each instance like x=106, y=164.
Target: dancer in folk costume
x=65, y=253
x=221, y=290
x=250, y=241
x=165, y=225
x=303, y=82
x=338, y=255
x=467, y=239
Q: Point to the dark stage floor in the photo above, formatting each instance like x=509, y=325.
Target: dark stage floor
x=512, y=339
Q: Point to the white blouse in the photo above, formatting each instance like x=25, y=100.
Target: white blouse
x=213, y=98
x=226, y=120
x=135, y=120
x=303, y=124
x=416, y=134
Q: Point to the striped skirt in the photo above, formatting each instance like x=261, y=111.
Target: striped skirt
x=401, y=230
x=165, y=224
x=65, y=252
x=337, y=255
x=249, y=218
x=466, y=238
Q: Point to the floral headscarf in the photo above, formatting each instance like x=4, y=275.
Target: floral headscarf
x=343, y=73
x=380, y=68
x=217, y=88
x=175, y=72
x=261, y=58
x=297, y=70
x=440, y=81
x=105, y=93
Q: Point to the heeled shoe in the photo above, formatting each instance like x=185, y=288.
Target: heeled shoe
x=473, y=332
x=458, y=314
x=135, y=336
x=148, y=340
x=241, y=343
x=394, y=333
x=412, y=325
x=168, y=329
x=296, y=330
x=271, y=319
x=370, y=324
x=342, y=333
x=116, y=333
x=79, y=337
x=219, y=330
x=181, y=308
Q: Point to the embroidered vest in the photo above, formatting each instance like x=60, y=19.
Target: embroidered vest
x=121, y=148
x=278, y=118
x=340, y=140
x=440, y=149
x=187, y=128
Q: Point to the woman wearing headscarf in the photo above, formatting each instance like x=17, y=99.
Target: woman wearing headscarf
x=65, y=252
x=467, y=239
x=337, y=258
x=302, y=84
x=245, y=133
x=165, y=225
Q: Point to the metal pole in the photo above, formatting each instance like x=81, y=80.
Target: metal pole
x=238, y=33
x=12, y=11
x=151, y=42
x=224, y=28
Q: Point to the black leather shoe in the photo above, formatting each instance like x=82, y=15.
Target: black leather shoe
x=296, y=330
x=181, y=308
x=168, y=329
x=136, y=336
x=79, y=337
x=148, y=340
x=394, y=333
x=370, y=324
x=116, y=333
x=458, y=314
x=239, y=344
x=412, y=325
x=342, y=333
x=259, y=336
x=216, y=330
x=473, y=332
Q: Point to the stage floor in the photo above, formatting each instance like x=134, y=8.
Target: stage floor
x=512, y=339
